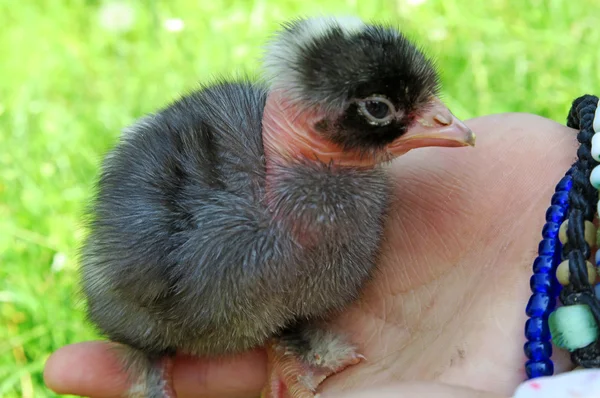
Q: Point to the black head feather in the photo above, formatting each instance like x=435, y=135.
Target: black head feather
x=338, y=64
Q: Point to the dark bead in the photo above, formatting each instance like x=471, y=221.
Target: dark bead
x=542, y=264
x=538, y=350
x=540, y=305
x=536, y=329
x=556, y=214
x=547, y=247
x=586, y=252
x=541, y=283
x=565, y=184
x=539, y=368
x=550, y=230
x=561, y=198
x=570, y=171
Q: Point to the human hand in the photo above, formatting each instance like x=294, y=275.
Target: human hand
x=447, y=304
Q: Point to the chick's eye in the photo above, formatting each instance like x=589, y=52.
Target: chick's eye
x=377, y=110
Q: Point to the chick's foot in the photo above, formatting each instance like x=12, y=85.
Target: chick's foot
x=300, y=361
x=155, y=381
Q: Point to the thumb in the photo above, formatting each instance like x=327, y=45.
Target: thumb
x=92, y=369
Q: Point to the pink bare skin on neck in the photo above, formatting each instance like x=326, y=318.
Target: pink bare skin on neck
x=288, y=134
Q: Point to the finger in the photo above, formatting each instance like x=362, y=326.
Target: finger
x=92, y=369
x=410, y=390
x=239, y=377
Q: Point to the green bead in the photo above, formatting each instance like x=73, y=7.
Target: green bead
x=573, y=327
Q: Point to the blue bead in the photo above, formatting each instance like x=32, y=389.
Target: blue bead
x=541, y=283
x=558, y=254
x=547, y=247
x=544, y=285
x=565, y=184
x=550, y=230
x=543, y=264
x=536, y=329
x=539, y=368
x=561, y=198
x=540, y=304
x=538, y=350
x=556, y=213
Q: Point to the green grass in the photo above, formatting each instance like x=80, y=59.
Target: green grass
x=67, y=86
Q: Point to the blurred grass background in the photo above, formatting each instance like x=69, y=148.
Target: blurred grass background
x=74, y=72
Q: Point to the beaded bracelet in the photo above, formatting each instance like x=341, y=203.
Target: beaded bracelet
x=561, y=268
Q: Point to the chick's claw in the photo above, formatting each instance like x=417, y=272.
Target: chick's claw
x=296, y=374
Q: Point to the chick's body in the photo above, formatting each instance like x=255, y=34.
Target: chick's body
x=186, y=253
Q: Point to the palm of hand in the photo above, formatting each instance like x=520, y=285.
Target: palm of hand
x=448, y=303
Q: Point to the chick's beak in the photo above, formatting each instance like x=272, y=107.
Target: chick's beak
x=437, y=127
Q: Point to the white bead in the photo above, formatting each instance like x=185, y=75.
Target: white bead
x=595, y=177
x=596, y=146
x=598, y=208
x=596, y=124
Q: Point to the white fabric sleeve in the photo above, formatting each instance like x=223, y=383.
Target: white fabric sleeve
x=583, y=383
